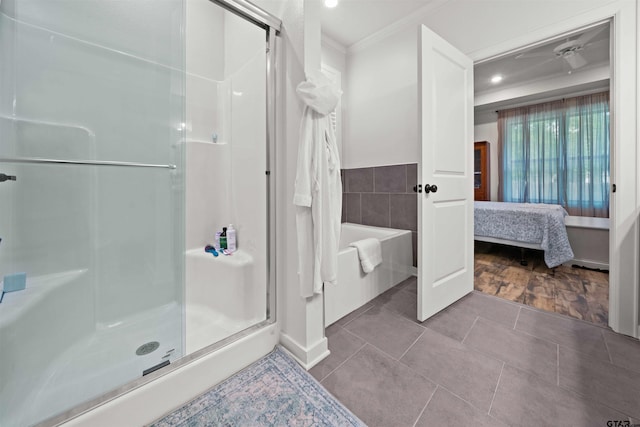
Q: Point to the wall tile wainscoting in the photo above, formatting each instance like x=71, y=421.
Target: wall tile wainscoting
x=382, y=196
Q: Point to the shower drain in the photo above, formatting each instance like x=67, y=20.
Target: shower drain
x=147, y=348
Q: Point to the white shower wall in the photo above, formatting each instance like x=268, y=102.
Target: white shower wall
x=225, y=180
x=225, y=96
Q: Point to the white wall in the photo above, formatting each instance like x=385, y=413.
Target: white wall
x=335, y=56
x=383, y=99
x=489, y=132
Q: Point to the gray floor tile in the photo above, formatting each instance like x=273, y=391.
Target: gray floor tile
x=624, y=351
x=611, y=385
x=467, y=373
x=385, y=330
x=410, y=284
x=386, y=296
x=522, y=399
x=342, y=345
x=451, y=322
x=446, y=409
x=565, y=331
x=354, y=314
x=517, y=349
x=399, y=301
x=379, y=390
x=492, y=308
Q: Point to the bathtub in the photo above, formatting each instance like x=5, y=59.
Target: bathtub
x=354, y=287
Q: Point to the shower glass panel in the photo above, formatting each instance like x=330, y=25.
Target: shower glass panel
x=226, y=159
x=91, y=125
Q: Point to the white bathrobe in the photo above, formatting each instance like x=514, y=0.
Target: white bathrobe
x=318, y=187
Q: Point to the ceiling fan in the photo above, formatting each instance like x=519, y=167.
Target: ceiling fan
x=569, y=50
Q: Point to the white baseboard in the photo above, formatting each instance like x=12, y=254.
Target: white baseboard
x=307, y=357
x=588, y=263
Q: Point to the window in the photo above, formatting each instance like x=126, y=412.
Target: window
x=557, y=152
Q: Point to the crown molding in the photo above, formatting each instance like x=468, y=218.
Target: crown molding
x=410, y=20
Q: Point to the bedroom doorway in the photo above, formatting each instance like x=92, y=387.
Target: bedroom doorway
x=554, y=73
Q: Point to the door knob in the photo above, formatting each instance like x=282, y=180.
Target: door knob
x=430, y=188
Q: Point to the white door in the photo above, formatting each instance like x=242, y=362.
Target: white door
x=445, y=214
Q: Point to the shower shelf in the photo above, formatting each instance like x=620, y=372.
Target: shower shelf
x=202, y=141
x=239, y=258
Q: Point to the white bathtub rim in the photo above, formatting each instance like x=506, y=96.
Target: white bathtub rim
x=389, y=233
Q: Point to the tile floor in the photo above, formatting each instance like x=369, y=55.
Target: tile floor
x=484, y=361
x=575, y=292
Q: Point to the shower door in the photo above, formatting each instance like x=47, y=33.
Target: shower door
x=226, y=184
x=91, y=125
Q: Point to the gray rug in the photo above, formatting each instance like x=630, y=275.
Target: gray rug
x=274, y=391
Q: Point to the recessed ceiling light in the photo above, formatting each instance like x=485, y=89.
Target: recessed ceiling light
x=496, y=79
x=331, y=3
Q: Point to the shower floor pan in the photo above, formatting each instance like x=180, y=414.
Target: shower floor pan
x=107, y=359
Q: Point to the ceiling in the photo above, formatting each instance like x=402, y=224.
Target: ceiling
x=540, y=62
x=354, y=20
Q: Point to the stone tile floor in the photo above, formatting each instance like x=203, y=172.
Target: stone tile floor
x=483, y=361
x=575, y=292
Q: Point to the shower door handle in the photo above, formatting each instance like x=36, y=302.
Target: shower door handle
x=4, y=177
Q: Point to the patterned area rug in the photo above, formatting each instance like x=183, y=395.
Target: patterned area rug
x=274, y=391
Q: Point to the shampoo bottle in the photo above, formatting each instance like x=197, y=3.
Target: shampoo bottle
x=231, y=238
x=216, y=243
x=223, y=238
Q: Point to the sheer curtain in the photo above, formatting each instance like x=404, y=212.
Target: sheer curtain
x=557, y=152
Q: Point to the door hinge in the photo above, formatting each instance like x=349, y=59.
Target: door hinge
x=613, y=188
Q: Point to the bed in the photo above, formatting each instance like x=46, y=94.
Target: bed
x=525, y=225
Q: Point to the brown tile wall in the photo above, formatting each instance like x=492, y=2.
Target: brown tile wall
x=382, y=196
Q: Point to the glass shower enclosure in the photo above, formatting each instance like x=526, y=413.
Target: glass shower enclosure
x=130, y=132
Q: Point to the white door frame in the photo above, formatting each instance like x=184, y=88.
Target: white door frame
x=624, y=257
